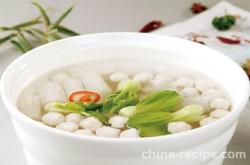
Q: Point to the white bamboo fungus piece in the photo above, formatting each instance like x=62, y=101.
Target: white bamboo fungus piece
x=94, y=82
x=71, y=85
x=59, y=77
x=30, y=105
x=51, y=91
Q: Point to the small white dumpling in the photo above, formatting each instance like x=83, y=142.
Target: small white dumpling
x=189, y=92
x=202, y=85
x=90, y=123
x=207, y=121
x=177, y=127
x=220, y=103
x=160, y=82
x=183, y=83
x=68, y=126
x=202, y=101
x=164, y=78
x=108, y=132
x=118, y=76
x=219, y=113
x=51, y=91
x=143, y=77
x=53, y=119
x=84, y=132
x=212, y=93
x=71, y=85
x=118, y=121
x=130, y=133
x=74, y=117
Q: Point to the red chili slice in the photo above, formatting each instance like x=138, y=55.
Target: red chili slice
x=84, y=96
x=153, y=25
x=229, y=40
x=198, y=8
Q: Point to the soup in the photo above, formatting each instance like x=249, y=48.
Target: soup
x=124, y=99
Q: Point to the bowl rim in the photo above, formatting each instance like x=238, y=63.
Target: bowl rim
x=13, y=110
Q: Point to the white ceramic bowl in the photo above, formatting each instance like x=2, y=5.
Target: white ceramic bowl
x=47, y=146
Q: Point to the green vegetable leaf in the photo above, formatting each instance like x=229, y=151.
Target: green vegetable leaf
x=66, y=31
x=164, y=100
x=154, y=123
x=43, y=13
x=119, y=100
x=150, y=123
x=189, y=113
x=77, y=107
x=104, y=119
x=129, y=85
x=90, y=106
x=128, y=111
x=70, y=107
x=127, y=95
x=60, y=19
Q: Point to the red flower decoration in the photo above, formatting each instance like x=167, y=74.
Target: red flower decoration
x=198, y=8
x=153, y=25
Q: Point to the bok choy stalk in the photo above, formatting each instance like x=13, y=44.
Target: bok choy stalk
x=189, y=114
x=154, y=123
x=126, y=95
x=164, y=100
x=77, y=107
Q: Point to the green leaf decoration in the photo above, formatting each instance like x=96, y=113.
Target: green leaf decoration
x=24, y=42
x=19, y=34
x=38, y=31
x=66, y=31
x=18, y=46
x=5, y=39
x=43, y=13
x=53, y=37
x=60, y=19
x=33, y=34
x=26, y=24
